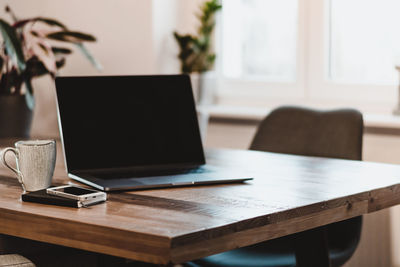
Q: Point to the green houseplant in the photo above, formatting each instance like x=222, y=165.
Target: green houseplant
x=31, y=48
x=196, y=55
x=195, y=51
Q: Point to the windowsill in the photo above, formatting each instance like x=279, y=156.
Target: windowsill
x=379, y=123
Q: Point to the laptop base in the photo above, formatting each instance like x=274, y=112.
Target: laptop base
x=153, y=182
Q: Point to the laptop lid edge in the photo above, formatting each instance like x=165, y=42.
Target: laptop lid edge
x=60, y=128
x=87, y=182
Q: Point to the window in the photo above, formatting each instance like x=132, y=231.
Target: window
x=364, y=48
x=314, y=51
x=259, y=39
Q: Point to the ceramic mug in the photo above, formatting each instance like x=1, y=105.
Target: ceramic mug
x=35, y=162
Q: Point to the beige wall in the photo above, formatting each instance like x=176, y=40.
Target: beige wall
x=133, y=37
x=170, y=16
x=123, y=29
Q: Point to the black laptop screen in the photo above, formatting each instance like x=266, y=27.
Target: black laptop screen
x=128, y=122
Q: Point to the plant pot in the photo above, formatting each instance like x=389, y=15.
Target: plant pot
x=15, y=117
x=204, y=86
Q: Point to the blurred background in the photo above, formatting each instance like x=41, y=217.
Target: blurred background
x=318, y=53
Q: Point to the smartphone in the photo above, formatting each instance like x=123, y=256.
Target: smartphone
x=84, y=195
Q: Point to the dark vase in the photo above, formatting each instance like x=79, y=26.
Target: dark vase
x=15, y=116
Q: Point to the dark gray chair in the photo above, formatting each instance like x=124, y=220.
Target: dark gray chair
x=302, y=131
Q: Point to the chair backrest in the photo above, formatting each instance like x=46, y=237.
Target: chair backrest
x=336, y=134
x=302, y=131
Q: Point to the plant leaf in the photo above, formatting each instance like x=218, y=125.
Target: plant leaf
x=61, y=50
x=13, y=45
x=30, y=100
x=60, y=63
x=51, y=22
x=8, y=10
x=89, y=56
x=46, y=56
x=42, y=50
x=34, y=68
x=48, y=21
x=21, y=23
x=69, y=36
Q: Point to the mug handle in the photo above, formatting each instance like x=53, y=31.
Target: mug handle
x=16, y=171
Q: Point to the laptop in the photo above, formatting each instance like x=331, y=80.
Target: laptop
x=133, y=132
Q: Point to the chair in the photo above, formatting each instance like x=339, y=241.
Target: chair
x=302, y=131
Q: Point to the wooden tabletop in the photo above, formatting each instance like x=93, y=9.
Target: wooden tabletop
x=289, y=194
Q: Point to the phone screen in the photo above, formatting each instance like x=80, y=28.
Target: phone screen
x=76, y=191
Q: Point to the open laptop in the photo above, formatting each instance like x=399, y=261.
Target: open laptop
x=133, y=132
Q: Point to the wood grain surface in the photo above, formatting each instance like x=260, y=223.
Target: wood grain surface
x=289, y=194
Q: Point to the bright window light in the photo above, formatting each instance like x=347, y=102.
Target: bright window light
x=364, y=41
x=259, y=39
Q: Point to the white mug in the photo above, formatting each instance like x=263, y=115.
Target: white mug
x=35, y=162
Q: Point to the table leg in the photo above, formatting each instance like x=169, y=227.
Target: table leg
x=312, y=248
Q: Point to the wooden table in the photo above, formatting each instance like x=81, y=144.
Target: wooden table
x=289, y=194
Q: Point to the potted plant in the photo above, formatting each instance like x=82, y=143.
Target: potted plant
x=31, y=48
x=196, y=55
